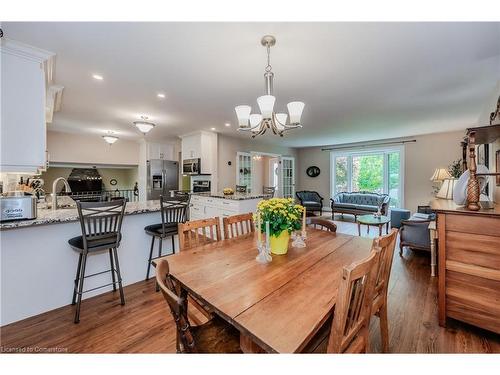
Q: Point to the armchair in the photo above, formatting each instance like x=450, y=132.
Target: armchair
x=414, y=234
x=311, y=200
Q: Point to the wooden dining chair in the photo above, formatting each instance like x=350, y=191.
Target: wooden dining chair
x=238, y=225
x=214, y=336
x=386, y=244
x=351, y=321
x=323, y=224
x=198, y=232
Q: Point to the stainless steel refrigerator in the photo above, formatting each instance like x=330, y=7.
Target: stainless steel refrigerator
x=163, y=176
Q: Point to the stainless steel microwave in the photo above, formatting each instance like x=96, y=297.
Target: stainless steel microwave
x=191, y=166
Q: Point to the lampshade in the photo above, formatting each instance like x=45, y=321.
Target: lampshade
x=110, y=139
x=266, y=105
x=255, y=119
x=295, y=110
x=281, y=117
x=446, y=191
x=144, y=126
x=440, y=174
x=243, y=114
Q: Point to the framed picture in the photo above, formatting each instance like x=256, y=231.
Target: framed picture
x=497, y=163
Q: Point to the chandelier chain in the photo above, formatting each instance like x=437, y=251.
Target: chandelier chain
x=268, y=67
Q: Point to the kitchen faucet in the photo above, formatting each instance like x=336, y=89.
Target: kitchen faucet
x=54, y=194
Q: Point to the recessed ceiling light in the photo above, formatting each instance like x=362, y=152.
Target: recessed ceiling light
x=212, y=128
x=98, y=77
x=227, y=124
x=161, y=96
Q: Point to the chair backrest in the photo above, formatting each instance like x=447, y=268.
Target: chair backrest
x=178, y=307
x=173, y=210
x=307, y=195
x=269, y=190
x=386, y=244
x=198, y=232
x=351, y=320
x=101, y=222
x=238, y=225
x=323, y=224
x=362, y=197
x=241, y=188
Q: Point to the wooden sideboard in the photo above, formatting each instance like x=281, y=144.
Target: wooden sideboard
x=469, y=264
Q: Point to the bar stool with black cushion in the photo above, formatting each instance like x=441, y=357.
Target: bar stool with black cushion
x=241, y=188
x=269, y=191
x=101, y=224
x=214, y=336
x=173, y=211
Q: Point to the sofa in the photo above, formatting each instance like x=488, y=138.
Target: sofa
x=359, y=203
x=311, y=200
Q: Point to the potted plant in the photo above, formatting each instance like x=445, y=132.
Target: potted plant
x=284, y=217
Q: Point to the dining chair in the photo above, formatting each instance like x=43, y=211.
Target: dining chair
x=214, y=336
x=238, y=225
x=351, y=321
x=386, y=244
x=241, y=188
x=198, y=232
x=323, y=224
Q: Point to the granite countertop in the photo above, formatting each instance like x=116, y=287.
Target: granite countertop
x=234, y=197
x=65, y=215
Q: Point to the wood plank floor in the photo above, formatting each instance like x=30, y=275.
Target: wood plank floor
x=144, y=324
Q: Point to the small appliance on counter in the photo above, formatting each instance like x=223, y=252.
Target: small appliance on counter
x=17, y=205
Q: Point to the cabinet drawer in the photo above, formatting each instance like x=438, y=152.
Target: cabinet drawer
x=488, y=226
x=475, y=249
x=228, y=205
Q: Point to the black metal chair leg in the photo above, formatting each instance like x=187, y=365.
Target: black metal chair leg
x=118, y=273
x=150, y=257
x=80, y=288
x=173, y=245
x=160, y=246
x=77, y=278
x=112, y=270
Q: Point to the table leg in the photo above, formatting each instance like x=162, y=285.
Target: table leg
x=380, y=230
x=387, y=228
x=433, y=254
x=367, y=229
x=248, y=346
x=359, y=229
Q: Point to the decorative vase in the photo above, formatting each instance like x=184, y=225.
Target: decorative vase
x=279, y=244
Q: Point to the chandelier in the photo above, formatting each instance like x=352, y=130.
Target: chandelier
x=257, y=123
x=144, y=125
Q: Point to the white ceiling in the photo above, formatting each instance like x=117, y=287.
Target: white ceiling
x=360, y=81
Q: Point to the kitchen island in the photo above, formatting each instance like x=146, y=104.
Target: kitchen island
x=38, y=266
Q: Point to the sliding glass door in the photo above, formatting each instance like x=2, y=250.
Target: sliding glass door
x=375, y=171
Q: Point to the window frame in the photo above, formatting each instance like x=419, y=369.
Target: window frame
x=349, y=153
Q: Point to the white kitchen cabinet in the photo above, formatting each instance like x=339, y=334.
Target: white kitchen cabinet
x=23, y=127
x=160, y=151
x=202, y=145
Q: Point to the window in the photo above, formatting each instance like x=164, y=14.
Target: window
x=375, y=171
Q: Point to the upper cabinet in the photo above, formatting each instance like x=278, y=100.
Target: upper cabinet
x=201, y=145
x=163, y=151
x=23, y=103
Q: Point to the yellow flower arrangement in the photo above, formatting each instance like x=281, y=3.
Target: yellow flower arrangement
x=282, y=214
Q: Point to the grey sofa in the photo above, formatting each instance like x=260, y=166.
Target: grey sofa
x=359, y=203
x=414, y=233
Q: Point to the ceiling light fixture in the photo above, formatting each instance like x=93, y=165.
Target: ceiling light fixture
x=161, y=96
x=144, y=126
x=109, y=138
x=268, y=119
x=227, y=124
x=212, y=129
x=98, y=77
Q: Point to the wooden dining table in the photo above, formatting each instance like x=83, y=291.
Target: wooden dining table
x=279, y=306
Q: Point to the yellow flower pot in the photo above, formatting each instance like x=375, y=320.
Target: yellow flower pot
x=279, y=244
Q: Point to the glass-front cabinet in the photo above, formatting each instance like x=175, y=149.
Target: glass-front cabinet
x=244, y=170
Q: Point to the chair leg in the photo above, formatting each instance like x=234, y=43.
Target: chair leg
x=81, y=278
x=150, y=257
x=173, y=245
x=400, y=249
x=77, y=279
x=157, y=287
x=118, y=273
x=384, y=327
x=112, y=269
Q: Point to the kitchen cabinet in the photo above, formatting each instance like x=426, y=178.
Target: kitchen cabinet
x=160, y=151
x=202, y=145
x=23, y=127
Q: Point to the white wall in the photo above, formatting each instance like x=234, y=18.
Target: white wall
x=90, y=149
x=421, y=158
x=229, y=146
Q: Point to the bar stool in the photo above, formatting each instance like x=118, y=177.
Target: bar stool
x=101, y=224
x=173, y=211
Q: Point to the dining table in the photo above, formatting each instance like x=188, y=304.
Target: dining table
x=279, y=306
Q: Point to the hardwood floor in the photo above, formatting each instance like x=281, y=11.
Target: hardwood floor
x=144, y=324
